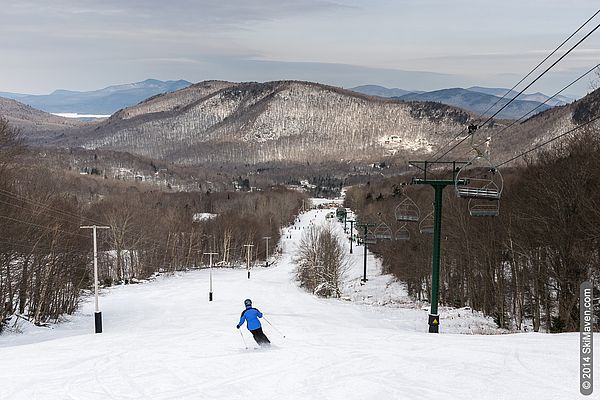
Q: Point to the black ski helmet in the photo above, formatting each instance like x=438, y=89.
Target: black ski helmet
x=248, y=303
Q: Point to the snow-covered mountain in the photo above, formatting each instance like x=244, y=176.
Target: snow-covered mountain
x=103, y=101
x=218, y=121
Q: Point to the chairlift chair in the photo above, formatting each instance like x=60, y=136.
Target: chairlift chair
x=370, y=238
x=484, y=208
x=407, y=211
x=402, y=233
x=472, y=183
x=382, y=231
x=370, y=233
x=426, y=224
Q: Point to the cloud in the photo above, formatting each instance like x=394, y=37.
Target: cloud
x=197, y=14
x=85, y=44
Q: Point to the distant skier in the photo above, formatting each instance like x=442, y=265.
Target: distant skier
x=251, y=316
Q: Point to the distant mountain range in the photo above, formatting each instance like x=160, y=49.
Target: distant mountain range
x=228, y=123
x=103, y=101
x=539, y=97
x=381, y=91
x=107, y=101
x=479, y=100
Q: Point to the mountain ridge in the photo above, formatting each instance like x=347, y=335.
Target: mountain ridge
x=471, y=98
x=260, y=122
x=477, y=102
x=253, y=123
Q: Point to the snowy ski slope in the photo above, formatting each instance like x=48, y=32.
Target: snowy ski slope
x=165, y=340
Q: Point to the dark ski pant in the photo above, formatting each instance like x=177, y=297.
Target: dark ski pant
x=260, y=337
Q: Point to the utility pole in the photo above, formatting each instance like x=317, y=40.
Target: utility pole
x=351, y=233
x=97, y=314
x=438, y=185
x=366, y=241
x=267, y=251
x=249, y=250
x=210, y=291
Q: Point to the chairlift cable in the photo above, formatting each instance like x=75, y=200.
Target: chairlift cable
x=540, y=63
x=541, y=104
x=542, y=74
x=548, y=141
x=521, y=92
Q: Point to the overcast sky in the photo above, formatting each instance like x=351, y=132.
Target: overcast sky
x=89, y=44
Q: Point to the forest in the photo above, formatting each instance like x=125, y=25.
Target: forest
x=46, y=258
x=525, y=264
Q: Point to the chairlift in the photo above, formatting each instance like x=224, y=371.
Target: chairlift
x=484, y=208
x=402, y=233
x=370, y=236
x=369, y=239
x=479, y=178
x=382, y=231
x=426, y=224
x=407, y=210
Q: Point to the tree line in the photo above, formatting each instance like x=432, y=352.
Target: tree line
x=46, y=259
x=528, y=262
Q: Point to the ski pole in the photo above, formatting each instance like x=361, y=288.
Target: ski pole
x=277, y=330
x=243, y=340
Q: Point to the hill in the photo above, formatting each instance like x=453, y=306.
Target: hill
x=287, y=121
x=546, y=125
x=34, y=124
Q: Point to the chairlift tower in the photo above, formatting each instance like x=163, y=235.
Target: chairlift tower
x=351, y=233
x=366, y=241
x=438, y=185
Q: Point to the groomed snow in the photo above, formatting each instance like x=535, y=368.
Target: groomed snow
x=165, y=340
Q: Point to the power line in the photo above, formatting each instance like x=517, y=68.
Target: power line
x=31, y=211
x=76, y=220
x=549, y=141
x=15, y=196
x=36, y=246
x=41, y=226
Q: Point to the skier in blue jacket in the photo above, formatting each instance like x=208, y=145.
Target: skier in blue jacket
x=251, y=316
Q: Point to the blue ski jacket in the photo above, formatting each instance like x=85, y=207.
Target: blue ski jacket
x=251, y=315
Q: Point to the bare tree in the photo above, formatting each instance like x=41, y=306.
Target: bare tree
x=321, y=261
